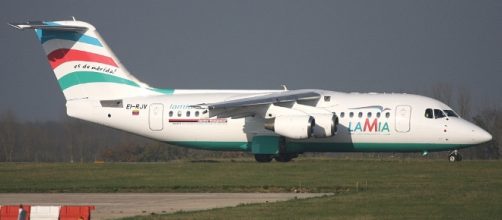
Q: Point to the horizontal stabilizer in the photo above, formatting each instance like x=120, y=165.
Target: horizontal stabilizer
x=47, y=25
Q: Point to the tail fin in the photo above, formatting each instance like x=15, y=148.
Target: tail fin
x=84, y=65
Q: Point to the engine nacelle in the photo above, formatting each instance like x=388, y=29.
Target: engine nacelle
x=325, y=125
x=292, y=126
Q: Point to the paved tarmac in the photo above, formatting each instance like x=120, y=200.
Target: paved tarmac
x=116, y=205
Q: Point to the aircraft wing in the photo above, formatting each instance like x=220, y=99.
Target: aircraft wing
x=242, y=107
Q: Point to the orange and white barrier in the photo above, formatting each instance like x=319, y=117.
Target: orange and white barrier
x=28, y=212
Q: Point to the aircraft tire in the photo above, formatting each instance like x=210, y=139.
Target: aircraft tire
x=454, y=157
x=263, y=158
x=285, y=157
x=459, y=157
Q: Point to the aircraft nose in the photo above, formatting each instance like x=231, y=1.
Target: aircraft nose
x=466, y=132
x=484, y=136
x=480, y=135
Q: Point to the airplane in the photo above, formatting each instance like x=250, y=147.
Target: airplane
x=270, y=124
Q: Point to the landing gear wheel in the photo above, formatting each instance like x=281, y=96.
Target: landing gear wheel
x=263, y=158
x=454, y=156
x=285, y=157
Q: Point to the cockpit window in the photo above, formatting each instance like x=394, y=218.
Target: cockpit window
x=428, y=113
x=439, y=114
x=450, y=113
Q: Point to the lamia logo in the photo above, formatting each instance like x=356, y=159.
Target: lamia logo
x=369, y=126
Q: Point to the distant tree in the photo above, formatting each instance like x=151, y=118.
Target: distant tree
x=8, y=127
x=464, y=102
x=490, y=120
x=30, y=137
x=68, y=125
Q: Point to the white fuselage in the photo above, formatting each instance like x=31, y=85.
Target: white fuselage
x=367, y=122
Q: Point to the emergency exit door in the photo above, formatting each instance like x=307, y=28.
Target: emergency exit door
x=403, y=117
x=156, y=117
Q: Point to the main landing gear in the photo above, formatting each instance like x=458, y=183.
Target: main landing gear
x=265, y=158
x=454, y=156
x=285, y=157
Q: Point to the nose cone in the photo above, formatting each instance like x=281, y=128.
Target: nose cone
x=479, y=135
x=482, y=136
x=464, y=132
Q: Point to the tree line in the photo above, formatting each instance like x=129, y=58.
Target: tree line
x=73, y=140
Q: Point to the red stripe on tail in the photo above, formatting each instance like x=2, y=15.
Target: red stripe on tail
x=61, y=56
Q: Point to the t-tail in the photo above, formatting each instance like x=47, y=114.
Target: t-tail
x=84, y=65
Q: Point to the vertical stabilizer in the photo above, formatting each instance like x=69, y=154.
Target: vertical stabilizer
x=84, y=65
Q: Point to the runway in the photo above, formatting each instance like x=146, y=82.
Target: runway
x=116, y=205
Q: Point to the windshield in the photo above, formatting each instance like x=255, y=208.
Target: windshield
x=438, y=113
x=450, y=113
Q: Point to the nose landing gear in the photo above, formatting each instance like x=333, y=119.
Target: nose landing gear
x=454, y=156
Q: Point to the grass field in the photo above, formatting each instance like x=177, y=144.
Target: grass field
x=364, y=189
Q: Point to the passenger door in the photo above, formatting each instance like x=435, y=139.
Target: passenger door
x=403, y=116
x=156, y=117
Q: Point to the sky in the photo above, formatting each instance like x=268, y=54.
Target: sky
x=348, y=46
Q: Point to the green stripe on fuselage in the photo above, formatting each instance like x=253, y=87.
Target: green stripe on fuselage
x=370, y=147
x=163, y=91
x=217, y=146
x=300, y=147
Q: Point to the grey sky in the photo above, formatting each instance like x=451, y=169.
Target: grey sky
x=364, y=46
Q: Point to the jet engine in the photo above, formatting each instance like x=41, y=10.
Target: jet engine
x=292, y=126
x=325, y=125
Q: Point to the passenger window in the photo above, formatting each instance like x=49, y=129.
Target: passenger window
x=369, y=114
x=179, y=113
x=387, y=115
x=378, y=115
x=188, y=114
x=438, y=113
x=170, y=113
x=428, y=113
x=351, y=114
x=360, y=115
x=342, y=114
x=196, y=113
